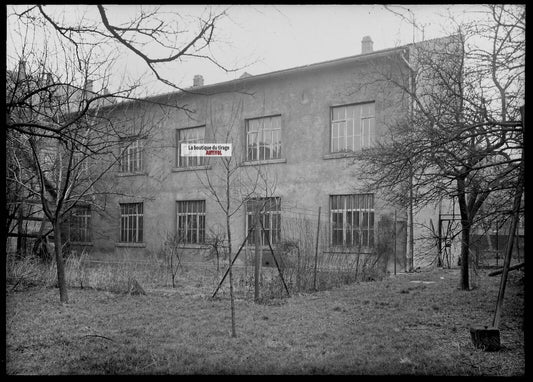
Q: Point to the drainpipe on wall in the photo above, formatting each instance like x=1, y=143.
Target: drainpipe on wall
x=412, y=89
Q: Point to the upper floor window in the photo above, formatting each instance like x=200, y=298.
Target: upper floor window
x=191, y=221
x=189, y=135
x=131, y=155
x=352, y=127
x=80, y=163
x=80, y=225
x=352, y=220
x=263, y=138
x=131, y=222
x=270, y=215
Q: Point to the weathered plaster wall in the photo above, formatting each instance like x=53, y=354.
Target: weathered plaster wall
x=304, y=180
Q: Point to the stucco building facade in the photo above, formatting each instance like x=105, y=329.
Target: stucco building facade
x=293, y=133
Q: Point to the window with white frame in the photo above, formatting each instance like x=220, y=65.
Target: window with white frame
x=352, y=127
x=80, y=224
x=263, y=138
x=131, y=222
x=189, y=135
x=352, y=220
x=131, y=155
x=270, y=215
x=191, y=221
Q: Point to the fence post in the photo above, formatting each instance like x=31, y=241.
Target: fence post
x=394, y=242
x=316, y=248
x=257, y=269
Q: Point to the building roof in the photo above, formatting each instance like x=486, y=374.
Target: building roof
x=246, y=77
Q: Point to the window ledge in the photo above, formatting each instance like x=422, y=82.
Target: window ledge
x=193, y=168
x=193, y=246
x=349, y=250
x=347, y=154
x=133, y=245
x=262, y=162
x=84, y=243
x=122, y=174
x=263, y=247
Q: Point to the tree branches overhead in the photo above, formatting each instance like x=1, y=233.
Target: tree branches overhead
x=157, y=37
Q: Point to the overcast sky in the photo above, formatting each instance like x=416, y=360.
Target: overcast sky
x=275, y=37
x=266, y=38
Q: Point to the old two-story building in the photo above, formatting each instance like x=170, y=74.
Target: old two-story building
x=293, y=133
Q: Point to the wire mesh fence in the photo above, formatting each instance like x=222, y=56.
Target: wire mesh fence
x=302, y=260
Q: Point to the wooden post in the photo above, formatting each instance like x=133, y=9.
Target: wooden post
x=440, y=260
x=497, y=242
x=489, y=338
x=298, y=266
x=258, y=255
x=514, y=267
x=275, y=261
x=231, y=261
x=316, y=248
x=394, y=242
x=508, y=253
x=411, y=223
x=517, y=238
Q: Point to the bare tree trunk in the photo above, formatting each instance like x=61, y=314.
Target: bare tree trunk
x=298, y=269
x=21, y=241
x=63, y=295
x=257, y=262
x=465, y=233
x=172, y=268
x=411, y=226
x=316, y=249
x=232, y=300
x=465, y=252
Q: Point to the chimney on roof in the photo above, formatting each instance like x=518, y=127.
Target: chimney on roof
x=198, y=81
x=22, y=70
x=367, y=45
x=89, y=86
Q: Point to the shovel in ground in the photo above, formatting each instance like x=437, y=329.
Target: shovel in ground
x=488, y=338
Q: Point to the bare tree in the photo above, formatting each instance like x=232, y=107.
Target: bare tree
x=59, y=132
x=463, y=135
x=229, y=182
x=173, y=245
x=156, y=36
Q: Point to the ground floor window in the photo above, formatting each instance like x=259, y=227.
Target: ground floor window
x=352, y=220
x=270, y=216
x=80, y=225
x=191, y=221
x=131, y=222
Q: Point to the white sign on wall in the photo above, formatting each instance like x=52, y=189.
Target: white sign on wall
x=205, y=150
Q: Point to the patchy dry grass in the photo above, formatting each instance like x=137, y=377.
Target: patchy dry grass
x=394, y=326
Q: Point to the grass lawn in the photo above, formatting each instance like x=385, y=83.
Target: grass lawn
x=414, y=323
